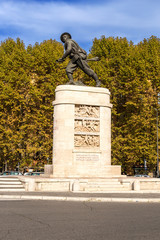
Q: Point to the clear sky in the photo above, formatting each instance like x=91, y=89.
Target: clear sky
x=37, y=20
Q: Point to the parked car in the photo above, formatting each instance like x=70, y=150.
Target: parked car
x=5, y=173
x=37, y=173
x=141, y=175
x=33, y=173
x=27, y=173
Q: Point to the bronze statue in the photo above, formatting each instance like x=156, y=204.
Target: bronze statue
x=78, y=58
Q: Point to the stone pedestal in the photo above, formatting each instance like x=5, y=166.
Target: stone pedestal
x=82, y=133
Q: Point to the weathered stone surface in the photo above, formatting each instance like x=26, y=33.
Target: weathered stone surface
x=82, y=133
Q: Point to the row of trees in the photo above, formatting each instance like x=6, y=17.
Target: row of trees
x=29, y=76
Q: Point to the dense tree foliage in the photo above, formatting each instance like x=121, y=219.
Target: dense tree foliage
x=29, y=76
x=132, y=74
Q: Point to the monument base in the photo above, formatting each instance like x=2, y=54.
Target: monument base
x=82, y=133
x=85, y=170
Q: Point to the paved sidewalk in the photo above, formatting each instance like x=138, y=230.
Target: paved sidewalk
x=83, y=197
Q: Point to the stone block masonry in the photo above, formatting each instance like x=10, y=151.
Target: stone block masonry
x=82, y=133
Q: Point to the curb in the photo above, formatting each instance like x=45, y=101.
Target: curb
x=80, y=199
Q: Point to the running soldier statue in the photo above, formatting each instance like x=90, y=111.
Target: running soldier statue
x=78, y=58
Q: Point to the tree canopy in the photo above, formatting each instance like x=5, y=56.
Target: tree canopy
x=29, y=76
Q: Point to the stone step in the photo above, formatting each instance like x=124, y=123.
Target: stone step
x=105, y=186
x=103, y=180
x=12, y=190
x=100, y=189
x=104, y=183
x=11, y=186
x=8, y=179
x=10, y=182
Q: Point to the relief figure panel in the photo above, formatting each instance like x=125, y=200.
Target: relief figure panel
x=86, y=141
x=86, y=125
x=87, y=111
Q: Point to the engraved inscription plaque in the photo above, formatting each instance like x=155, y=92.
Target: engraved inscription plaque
x=87, y=157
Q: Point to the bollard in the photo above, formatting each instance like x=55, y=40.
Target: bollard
x=75, y=186
x=136, y=185
x=31, y=185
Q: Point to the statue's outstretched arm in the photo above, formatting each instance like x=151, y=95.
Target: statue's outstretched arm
x=67, y=52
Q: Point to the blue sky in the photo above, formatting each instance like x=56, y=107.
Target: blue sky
x=38, y=20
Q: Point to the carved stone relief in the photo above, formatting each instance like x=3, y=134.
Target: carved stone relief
x=86, y=124
x=82, y=125
x=86, y=141
x=86, y=111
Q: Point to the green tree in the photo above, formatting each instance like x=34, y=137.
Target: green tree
x=122, y=69
x=13, y=85
x=28, y=80
x=29, y=76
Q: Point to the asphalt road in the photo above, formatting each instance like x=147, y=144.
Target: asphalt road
x=51, y=220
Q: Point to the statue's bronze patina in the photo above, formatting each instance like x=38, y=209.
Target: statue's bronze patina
x=78, y=58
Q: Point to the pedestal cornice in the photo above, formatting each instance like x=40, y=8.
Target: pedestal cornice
x=72, y=94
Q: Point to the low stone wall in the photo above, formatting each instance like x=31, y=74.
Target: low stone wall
x=142, y=184
x=151, y=184
x=45, y=184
